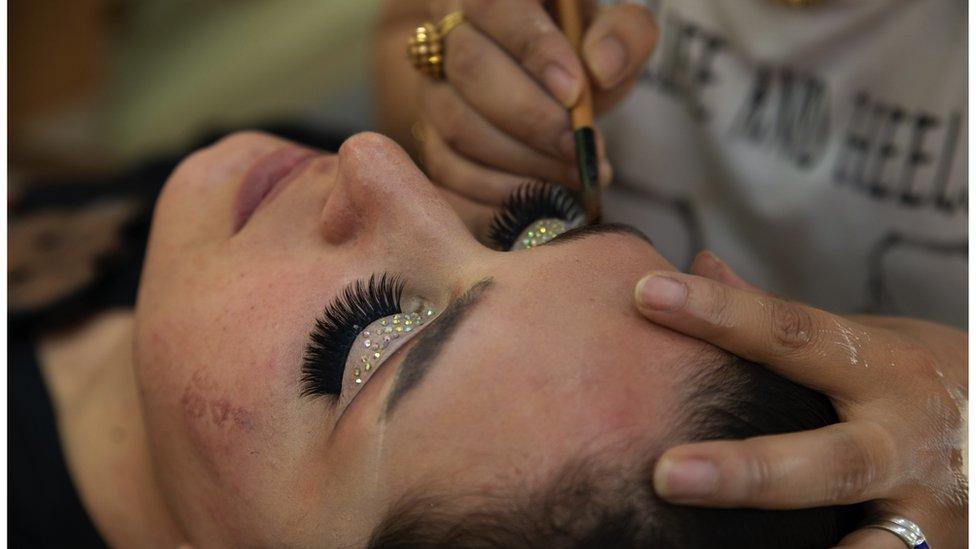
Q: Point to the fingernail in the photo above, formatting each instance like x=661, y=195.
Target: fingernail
x=717, y=264
x=567, y=146
x=661, y=293
x=711, y=256
x=686, y=478
x=722, y=272
x=561, y=84
x=606, y=59
x=606, y=173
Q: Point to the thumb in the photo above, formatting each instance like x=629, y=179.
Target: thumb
x=618, y=44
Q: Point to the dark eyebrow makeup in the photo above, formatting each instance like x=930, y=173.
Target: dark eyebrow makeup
x=431, y=342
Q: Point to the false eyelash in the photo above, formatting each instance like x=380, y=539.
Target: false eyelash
x=529, y=203
x=356, y=307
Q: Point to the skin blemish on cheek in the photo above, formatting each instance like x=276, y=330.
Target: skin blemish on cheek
x=220, y=430
x=219, y=411
x=200, y=402
x=242, y=419
x=193, y=403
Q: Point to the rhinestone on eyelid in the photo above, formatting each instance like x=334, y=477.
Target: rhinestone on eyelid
x=368, y=367
x=542, y=231
x=368, y=343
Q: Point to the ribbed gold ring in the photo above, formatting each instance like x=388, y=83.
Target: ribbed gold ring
x=449, y=21
x=425, y=49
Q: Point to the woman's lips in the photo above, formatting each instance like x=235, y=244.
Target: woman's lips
x=267, y=174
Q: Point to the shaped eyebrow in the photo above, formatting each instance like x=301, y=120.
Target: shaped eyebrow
x=431, y=342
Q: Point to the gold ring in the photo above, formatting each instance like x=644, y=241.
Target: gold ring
x=425, y=49
x=449, y=21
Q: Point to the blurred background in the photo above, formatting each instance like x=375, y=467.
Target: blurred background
x=97, y=86
x=106, y=96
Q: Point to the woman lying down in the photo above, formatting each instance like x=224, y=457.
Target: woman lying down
x=322, y=355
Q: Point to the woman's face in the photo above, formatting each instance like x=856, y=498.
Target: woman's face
x=527, y=359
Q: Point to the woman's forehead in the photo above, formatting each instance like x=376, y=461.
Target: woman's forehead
x=528, y=393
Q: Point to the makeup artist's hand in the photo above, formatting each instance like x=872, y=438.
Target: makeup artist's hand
x=898, y=385
x=500, y=115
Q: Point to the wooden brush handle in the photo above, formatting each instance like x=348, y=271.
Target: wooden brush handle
x=571, y=22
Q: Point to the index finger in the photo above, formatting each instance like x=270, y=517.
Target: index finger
x=525, y=30
x=492, y=84
x=835, y=465
x=804, y=344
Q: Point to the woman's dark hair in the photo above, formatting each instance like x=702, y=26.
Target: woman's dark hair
x=595, y=502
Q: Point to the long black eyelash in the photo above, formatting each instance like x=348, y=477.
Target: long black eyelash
x=359, y=304
x=529, y=203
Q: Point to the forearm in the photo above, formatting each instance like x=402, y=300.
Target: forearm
x=397, y=83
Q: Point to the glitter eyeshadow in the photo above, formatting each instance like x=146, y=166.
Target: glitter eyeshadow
x=542, y=231
x=373, y=348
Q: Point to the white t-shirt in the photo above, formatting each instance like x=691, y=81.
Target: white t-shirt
x=821, y=151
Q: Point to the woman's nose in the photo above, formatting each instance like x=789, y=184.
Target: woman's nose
x=382, y=198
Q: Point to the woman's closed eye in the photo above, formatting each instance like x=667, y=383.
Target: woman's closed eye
x=358, y=330
x=534, y=214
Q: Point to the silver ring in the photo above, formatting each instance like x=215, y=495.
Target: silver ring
x=906, y=530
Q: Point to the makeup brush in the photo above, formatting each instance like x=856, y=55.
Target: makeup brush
x=571, y=22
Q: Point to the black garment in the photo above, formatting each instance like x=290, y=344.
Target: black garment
x=44, y=507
